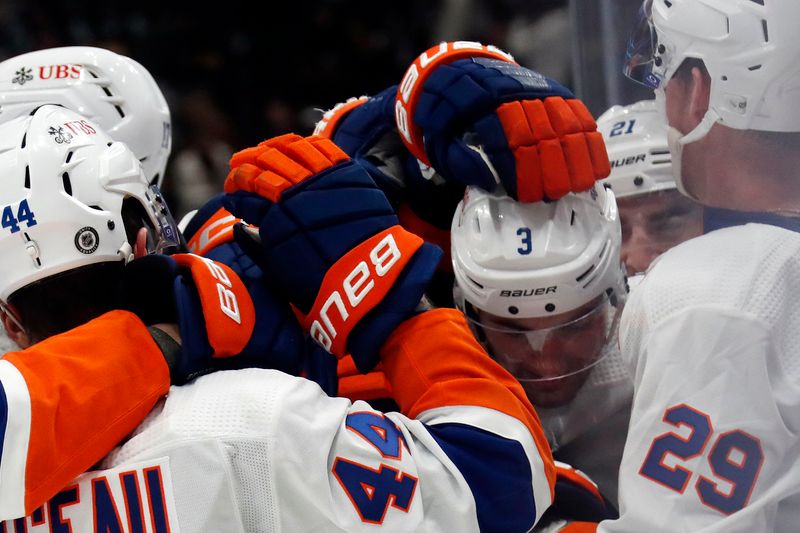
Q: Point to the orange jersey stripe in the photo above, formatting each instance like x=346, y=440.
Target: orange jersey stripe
x=446, y=366
x=109, y=370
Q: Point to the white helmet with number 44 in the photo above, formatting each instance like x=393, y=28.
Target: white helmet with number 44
x=71, y=197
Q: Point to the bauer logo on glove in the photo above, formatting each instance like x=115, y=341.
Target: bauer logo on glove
x=480, y=119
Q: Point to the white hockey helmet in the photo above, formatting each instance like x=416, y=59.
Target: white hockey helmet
x=111, y=90
x=67, y=191
x=636, y=141
x=525, y=260
x=750, y=48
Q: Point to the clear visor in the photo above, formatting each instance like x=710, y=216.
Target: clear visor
x=642, y=64
x=539, y=356
x=164, y=237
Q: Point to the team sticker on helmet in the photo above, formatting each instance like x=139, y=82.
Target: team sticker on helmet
x=59, y=135
x=22, y=75
x=87, y=240
x=76, y=127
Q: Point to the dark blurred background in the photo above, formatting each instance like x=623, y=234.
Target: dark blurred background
x=240, y=72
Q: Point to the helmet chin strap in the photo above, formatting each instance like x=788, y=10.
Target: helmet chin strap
x=677, y=140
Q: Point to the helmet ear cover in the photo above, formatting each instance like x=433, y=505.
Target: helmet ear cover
x=111, y=90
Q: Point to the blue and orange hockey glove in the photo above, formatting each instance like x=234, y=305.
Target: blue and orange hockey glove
x=479, y=118
x=329, y=239
x=222, y=325
x=210, y=233
x=577, y=499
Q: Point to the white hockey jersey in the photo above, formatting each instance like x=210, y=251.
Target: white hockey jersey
x=712, y=335
x=259, y=450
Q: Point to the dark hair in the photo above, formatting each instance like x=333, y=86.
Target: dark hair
x=684, y=71
x=61, y=302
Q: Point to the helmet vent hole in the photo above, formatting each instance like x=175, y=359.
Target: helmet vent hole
x=754, y=67
x=475, y=282
x=667, y=3
x=764, y=29
x=109, y=94
x=69, y=156
x=24, y=140
x=96, y=207
x=67, y=183
x=27, y=177
x=583, y=276
x=603, y=251
x=572, y=218
x=759, y=2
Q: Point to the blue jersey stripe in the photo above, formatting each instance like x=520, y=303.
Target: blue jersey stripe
x=500, y=480
x=3, y=419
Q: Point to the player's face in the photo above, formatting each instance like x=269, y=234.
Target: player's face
x=653, y=223
x=685, y=107
x=550, y=356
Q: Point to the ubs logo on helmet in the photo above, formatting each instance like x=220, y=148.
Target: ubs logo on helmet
x=87, y=240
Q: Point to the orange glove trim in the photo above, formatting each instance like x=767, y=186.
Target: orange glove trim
x=330, y=120
x=279, y=163
x=356, y=283
x=228, y=310
x=218, y=229
x=410, y=88
x=556, y=146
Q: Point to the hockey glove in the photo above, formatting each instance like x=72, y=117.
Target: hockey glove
x=425, y=202
x=221, y=325
x=577, y=498
x=330, y=240
x=479, y=118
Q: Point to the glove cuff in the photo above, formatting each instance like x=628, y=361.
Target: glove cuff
x=169, y=347
x=404, y=300
x=357, y=283
x=410, y=89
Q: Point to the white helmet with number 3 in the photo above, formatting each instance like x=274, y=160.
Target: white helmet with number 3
x=636, y=141
x=70, y=196
x=111, y=90
x=519, y=260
